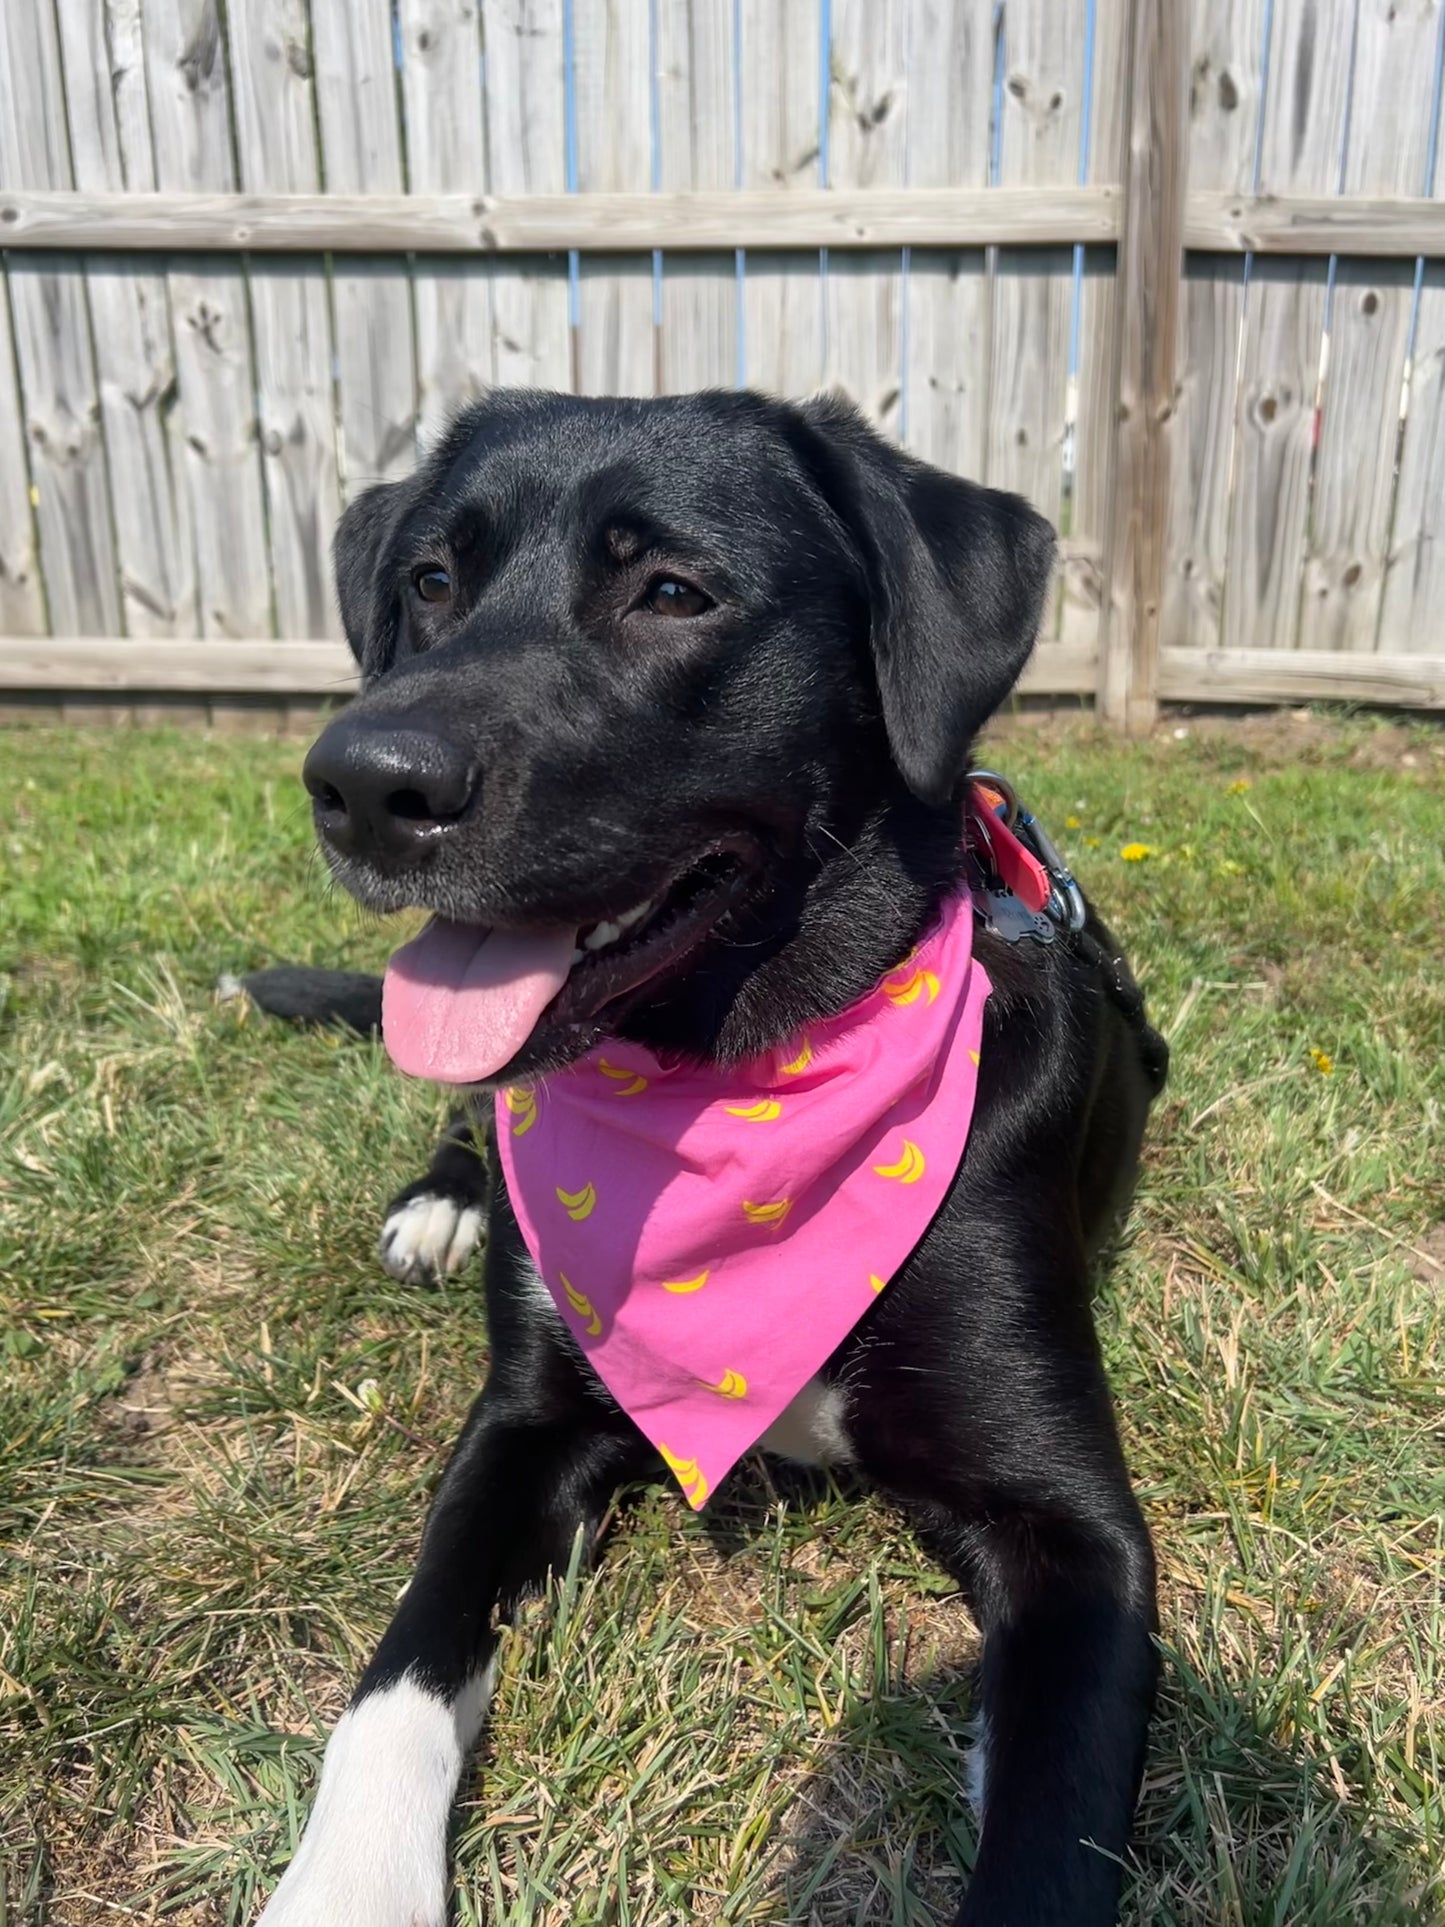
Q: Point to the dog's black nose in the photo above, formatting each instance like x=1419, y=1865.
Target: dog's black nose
x=386, y=788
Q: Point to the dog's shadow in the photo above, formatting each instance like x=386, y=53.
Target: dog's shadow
x=1235, y=1822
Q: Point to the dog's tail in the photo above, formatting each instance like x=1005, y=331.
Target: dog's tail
x=349, y=998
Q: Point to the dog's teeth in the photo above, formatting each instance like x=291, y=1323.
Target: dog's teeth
x=577, y=955
x=603, y=934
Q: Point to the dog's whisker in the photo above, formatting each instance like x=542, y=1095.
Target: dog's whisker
x=864, y=874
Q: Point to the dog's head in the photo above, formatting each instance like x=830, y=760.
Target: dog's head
x=666, y=707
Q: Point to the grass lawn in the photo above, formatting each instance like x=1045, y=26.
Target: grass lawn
x=219, y=1421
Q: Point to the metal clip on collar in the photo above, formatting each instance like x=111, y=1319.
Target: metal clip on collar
x=1066, y=901
x=1066, y=906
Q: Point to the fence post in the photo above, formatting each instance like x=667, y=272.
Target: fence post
x=1150, y=268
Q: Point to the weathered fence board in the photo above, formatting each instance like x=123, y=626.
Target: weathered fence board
x=256, y=251
x=1413, y=615
x=441, y=81
x=67, y=456
x=527, y=155
x=616, y=335
x=608, y=223
x=1284, y=320
x=53, y=344
x=868, y=119
x=1348, y=536
x=1149, y=257
x=1298, y=223
x=265, y=667
x=1413, y=594
x=1370, y=310
x=1041, y=107
x=22, y=604
x=1083, y=545
x=1275, y=418
x=949, y=313
x=142, y=421
x=356, y=86
x=1225, y=88
x=290, y=313
x=781, y=132
x=697, y=78
x=187, y=89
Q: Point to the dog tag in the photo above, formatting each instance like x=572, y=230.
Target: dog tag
x=1004, y=916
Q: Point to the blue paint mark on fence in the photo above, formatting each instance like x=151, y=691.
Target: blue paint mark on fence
x=1086, y=136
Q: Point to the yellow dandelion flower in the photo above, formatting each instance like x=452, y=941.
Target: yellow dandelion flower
x=1091, y=842
x=1240, y=785
x=1072, y=822
x=1136, y=852
x=1323, y=1062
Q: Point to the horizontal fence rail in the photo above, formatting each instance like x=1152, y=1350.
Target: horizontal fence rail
x=1174, y=273
x=1360, y=224
x=761, y=221
x=321, y=669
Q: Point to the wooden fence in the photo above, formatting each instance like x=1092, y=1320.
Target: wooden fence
x=1174, y=269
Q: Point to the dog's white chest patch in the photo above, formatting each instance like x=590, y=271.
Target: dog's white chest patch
x=813, y=1429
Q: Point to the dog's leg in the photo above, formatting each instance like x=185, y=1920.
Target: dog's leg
x=1067, y=1685
x=1010, y=1460
x=432, y=1227
x=524, y=1479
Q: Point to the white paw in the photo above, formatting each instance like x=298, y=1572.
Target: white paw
x=374, y=1850
x=429, y=1237
x=317, y=1892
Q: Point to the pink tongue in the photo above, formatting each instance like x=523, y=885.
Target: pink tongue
x=460, y=1000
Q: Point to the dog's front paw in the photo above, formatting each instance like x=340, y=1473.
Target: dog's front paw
x=374, y=1851
x=315, y=1894
x=428, y=1237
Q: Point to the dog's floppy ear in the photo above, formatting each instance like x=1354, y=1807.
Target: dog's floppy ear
x=956, y=576
x=364, y=592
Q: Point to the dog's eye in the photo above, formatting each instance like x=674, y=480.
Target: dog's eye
x=668, y=596
x=432, y=584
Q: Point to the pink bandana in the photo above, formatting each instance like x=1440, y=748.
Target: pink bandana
x=712, y=1235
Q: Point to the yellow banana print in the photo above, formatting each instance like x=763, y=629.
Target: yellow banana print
x=973, y=1055
x=918, y=983
x=582, y=1305
x=522, y=1105
x=769, y=1214
x=686, y=1284
x=876, y=1282
x=800, y=1063
x=632, y=1083
x=688, y=1476
x=730, y=1385
x=909, y=1168
x=763, y=1112
x=578, y=1204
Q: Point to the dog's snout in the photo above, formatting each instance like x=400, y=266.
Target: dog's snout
x=387, y=790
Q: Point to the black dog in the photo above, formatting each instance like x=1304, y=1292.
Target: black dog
x=730, y=655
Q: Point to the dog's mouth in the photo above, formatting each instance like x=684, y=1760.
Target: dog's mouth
x=464, y=1000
